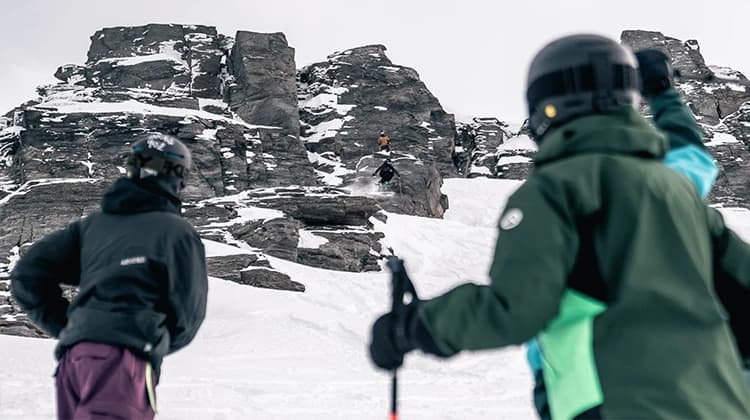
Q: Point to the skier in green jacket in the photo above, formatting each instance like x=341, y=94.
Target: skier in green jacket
x=605, y=254
x=687, y=155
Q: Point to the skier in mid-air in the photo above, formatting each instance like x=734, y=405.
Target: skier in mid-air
x=605, y=252
x=386, y=171
x=141, y=273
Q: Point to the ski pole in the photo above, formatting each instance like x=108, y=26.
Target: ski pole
x=397, y=289
x=394, y=396
x=401, y=287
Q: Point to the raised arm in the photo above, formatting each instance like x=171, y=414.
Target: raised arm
x=687, y=154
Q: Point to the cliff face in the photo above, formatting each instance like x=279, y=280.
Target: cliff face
x=371, y=94
x=179, y=58
x=263, y=178
x=346, y=101
x=264, y=73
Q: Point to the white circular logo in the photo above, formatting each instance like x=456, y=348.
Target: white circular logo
x=511, y=219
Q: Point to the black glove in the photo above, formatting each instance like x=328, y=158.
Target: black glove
x=384, y=351
x=387, y=349
x=655, y=72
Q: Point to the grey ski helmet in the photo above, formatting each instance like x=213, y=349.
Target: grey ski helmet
x=579, y=75
x=157, y=154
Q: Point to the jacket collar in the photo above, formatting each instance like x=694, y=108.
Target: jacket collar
x=127, y=196
x=624, y=133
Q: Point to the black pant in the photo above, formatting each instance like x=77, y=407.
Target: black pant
x=386, y=177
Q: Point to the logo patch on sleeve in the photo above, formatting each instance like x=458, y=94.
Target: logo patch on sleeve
x=511, y=219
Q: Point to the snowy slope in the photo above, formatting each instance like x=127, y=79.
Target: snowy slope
x=265, y=354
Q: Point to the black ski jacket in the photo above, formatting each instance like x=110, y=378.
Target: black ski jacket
x=386, y=170
x=140, y=268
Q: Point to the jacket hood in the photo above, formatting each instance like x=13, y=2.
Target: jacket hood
x=128, y=196
x=621, y=133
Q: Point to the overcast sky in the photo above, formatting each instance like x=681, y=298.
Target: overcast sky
x=472, y=54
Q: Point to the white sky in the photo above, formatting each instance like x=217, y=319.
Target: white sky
x=472, y=54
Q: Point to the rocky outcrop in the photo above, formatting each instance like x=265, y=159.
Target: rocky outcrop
x=12, y=320
x=730, y=145
x=36, y=209
x=277, y=237
x=322, y=227
x=492, y=148
x=17, y=324
x=182, y=59
x=347, y=100
x=321, y=207
x=263, y=90
x=270, y=279
x=264, y=87
x=229, y=267
x=354, y=249
x=90, y=140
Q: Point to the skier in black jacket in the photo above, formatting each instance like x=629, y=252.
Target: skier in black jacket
x=141, y=272
x=386, y=171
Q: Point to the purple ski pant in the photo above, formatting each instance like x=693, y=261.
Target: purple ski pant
x=101, y=381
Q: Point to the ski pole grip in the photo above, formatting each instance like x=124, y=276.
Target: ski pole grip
x=396, y=265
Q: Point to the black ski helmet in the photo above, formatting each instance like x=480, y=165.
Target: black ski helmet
x=579, y=75
x=157, y=154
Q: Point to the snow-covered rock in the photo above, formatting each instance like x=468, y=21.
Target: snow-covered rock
x=179, y=58
x=264, y=87
x=357, y=93
x=493, y=148
x=347, y=100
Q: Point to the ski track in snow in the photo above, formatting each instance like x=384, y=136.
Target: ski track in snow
x=265, y=354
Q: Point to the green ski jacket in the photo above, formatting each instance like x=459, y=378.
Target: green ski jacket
x=608, y=255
